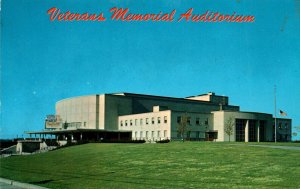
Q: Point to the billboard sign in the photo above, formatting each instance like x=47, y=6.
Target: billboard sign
x=52, y=122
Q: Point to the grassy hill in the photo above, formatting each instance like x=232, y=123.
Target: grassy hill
x=172, y=165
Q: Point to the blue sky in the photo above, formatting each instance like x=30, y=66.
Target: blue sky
x=43, y=61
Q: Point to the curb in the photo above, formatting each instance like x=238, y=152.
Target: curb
x=20, y=184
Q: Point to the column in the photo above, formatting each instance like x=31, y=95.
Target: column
x=247, y=131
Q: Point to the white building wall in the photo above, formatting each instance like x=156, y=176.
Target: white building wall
x=218, y=124
x=78, y=112
x=143, y=128
x=101, y=111
x=220, y=118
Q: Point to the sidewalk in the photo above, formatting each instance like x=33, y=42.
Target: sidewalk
x=11, y=184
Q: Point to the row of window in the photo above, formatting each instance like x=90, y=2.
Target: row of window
x=136, y=122
x=197, y=120
x=149, y=134
x=280, y=126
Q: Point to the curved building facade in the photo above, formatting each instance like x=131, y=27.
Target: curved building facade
x=151, y=118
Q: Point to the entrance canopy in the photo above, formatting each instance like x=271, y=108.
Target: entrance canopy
x=85, y=134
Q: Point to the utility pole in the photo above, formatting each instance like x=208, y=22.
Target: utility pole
x=275, y=112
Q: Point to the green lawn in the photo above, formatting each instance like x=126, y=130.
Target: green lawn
x=172, y=165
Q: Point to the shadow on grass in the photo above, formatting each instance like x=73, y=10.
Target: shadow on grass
x=41, y=182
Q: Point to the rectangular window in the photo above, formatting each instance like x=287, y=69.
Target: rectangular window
x=131, y=122
x=165, y=119
x=121, y=123
x=240, y=125
x=252, y=131
x=152, y=120
x=126, y=123
x=206, y=121
x=197, y=121
x=135, y=122
x=178, y=119
x=152, y=134
x=158, y=120
x=147, y=134
x=165, y=133
x=147, y=121
x=188, y=120
x=141, y=121
x=141, y=134
x=158, y=133
x=136, y=134
x=188, y=134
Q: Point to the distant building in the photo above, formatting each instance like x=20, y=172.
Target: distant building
x=128, y=116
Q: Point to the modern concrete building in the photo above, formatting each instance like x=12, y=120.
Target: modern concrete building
x=128, y=116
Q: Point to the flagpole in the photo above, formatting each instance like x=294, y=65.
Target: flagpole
x=275, y=111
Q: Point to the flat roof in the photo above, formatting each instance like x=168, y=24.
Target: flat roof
x=130, y=95
x=167, y=98
x=242, y=112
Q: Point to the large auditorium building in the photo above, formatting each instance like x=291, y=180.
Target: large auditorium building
x=127, y=116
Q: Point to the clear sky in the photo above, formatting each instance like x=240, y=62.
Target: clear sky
x=43, y=61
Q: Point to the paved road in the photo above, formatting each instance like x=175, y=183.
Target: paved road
x=271, y=146
x=10, y=184
x=279, y=147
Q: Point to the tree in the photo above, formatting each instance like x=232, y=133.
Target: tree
x=297, y=130
x=295, y=134
x=229, y=126
x=183, y=127
x=65, y=125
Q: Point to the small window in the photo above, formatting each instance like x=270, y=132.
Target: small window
x=147, y=133
x=158, y=120
x=135, y=122
x=121, y=123
x=188, y=134
x=152, y=134
x=197, y=121
x=126, y=123
x=206, y=121
x=141, y=121
x=141, y=134
x=158, y=133
x=178, y=119
x=165, y=119
x=165, y=133
x=147, y=121
x=189, y=120
x=280, y=126
x=197, y=134
x=135, y=134
x=130, y=122
x=152, y=121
